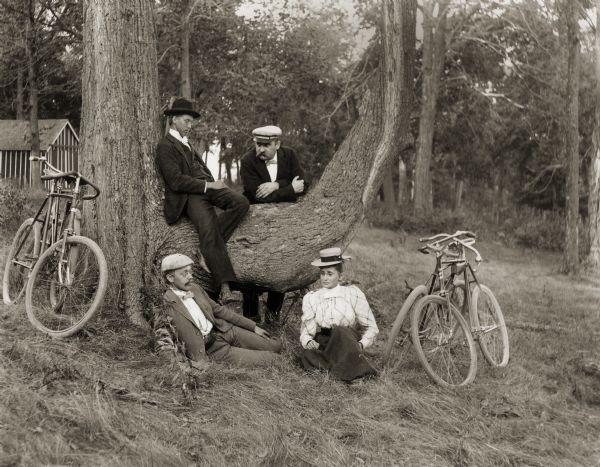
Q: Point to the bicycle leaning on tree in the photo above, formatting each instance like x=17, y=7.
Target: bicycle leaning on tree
x=62, y=274
x=450, y=312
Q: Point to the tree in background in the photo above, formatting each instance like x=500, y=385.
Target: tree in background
x=433, y=58
x=593, y=258
x=570, y=9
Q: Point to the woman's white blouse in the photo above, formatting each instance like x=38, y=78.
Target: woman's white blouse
x=340, y=306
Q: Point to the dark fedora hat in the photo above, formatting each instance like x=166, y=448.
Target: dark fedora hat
x=182, y=106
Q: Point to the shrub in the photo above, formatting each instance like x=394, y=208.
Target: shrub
x=17, y=203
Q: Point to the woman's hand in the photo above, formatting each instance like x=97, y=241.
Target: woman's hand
x=312, y=345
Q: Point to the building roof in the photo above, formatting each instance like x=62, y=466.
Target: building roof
x=15, y=134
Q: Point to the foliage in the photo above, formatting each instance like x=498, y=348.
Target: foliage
x=57, y=37
x=16, y=204
x=270, y=68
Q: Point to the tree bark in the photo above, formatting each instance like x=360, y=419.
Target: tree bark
x=571, y=251
x=593, y=258
x=119, y=132
x=434, y=53
x=31, y=46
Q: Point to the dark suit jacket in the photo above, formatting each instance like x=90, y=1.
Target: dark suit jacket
x=220, y=316
x=175, y=166
x=254, y=173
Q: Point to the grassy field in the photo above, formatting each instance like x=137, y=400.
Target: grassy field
x=102, y=398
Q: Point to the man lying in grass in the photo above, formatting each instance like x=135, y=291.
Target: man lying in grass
x=330, y=316
x=206, y=328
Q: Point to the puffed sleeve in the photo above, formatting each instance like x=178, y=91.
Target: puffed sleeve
x=308, y=326
x=364, y=316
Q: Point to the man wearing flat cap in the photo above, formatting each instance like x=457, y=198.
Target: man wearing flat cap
x=271, y=173
x=191, y=190
x=206, y=328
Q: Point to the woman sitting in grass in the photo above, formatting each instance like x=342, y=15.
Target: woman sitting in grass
x=330, y=318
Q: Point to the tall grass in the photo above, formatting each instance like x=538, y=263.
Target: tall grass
x=101, y=398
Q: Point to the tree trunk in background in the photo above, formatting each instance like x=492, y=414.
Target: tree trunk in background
x=119, y=131
x=458, y=194
x=389, y=195
x=186, y=78
x=593, y=259
x=31, y=46
x=403, y=195
x=20, y=103
x=571, y=252
x=434, y=52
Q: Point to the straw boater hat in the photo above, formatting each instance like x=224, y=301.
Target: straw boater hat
x=329, y=257
x=182, y=106
x=266, y=134
x=174, y=262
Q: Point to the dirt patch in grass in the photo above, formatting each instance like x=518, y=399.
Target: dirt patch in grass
x=102, y=398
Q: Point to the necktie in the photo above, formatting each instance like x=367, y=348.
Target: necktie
x=188, y=295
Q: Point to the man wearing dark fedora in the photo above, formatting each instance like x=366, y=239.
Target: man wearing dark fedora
x=191, y=190
x=271, y=173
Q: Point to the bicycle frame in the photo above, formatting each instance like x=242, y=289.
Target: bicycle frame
x=51, y=222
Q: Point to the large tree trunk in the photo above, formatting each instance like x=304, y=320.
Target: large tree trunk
x=290, y=236
x=571, y=252
x=120, y=129
x=119, y=132
x=31, y=46
x=593, y=258
x=434, y=53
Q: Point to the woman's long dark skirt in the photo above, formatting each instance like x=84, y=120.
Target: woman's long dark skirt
x=339, y=353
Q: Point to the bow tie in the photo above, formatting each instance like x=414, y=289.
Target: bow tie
x=271, y=162
x=184, y=295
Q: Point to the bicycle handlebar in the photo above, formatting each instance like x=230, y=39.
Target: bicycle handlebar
x=59, y=174
x=445, y=236
x=438, y=246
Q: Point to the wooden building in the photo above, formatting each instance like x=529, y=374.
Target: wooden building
x=58, y=142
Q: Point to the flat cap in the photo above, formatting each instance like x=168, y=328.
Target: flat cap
x=266, y=134
x=175, y=261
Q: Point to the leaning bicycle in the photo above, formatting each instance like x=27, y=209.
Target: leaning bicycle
x=451, y=311
x=62, y=274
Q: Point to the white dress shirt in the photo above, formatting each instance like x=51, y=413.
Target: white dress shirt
x=272, y=168
x=182, y=139
x=200, y=320
x=340, y=306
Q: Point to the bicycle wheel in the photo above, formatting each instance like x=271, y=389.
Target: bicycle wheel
x=65, y=289
x=413, y=296
x=19, y=263
x=489, y=326
x=443, y=342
